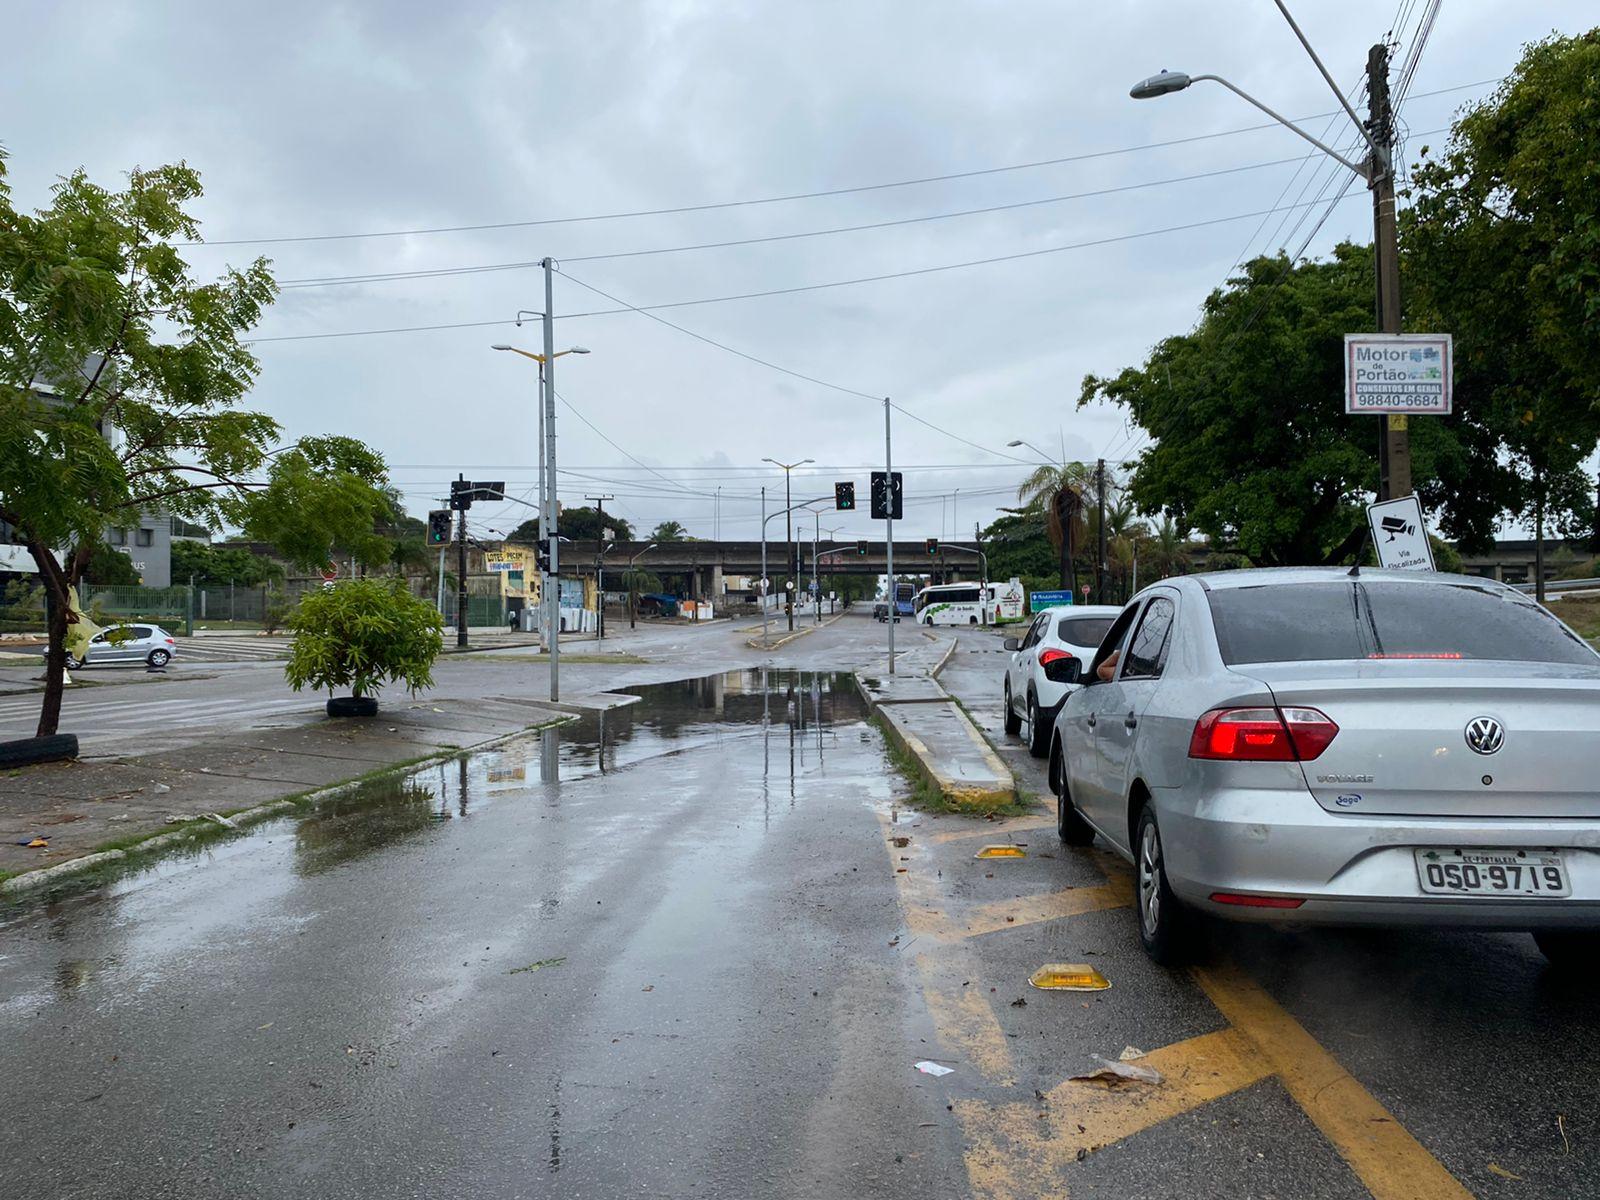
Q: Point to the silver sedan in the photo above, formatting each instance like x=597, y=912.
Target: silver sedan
x=1324, y=746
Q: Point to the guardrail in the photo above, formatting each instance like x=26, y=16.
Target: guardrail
x=1561, y=585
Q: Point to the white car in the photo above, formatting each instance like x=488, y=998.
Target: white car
x=1032, y=700
x=149, y=644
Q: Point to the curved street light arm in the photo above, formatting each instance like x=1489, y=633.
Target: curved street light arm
x=1359, y=168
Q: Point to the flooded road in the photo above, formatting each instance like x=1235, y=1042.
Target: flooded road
x=645, y=953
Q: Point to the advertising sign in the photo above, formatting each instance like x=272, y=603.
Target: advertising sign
x=1398, y=372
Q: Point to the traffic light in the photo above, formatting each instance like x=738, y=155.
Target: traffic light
x=861, y=547
x=439, y=526
x=844, y=496
x=887, y=496
x=933, y=545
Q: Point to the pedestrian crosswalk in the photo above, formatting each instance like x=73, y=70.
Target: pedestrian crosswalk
x=244, y=648
x=115, y=710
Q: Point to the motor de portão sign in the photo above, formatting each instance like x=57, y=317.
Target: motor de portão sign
x=1398, y=373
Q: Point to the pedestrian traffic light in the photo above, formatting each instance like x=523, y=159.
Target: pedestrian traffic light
x=861, y=547
x=887, y=497
x=933, y=545
x=439, y=526
x=844, y=496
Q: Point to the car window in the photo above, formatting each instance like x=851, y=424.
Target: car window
x=141, y=632
x=1351, y=618
x=1083, y=631
x=1031, y=638
x=1113, y=639
x=1147, y=652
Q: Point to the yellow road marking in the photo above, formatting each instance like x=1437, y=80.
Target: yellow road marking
x=964, y=1018
x=1030, y=910
x=990, y=829
x=1389, y=1161
x=1023, y=1150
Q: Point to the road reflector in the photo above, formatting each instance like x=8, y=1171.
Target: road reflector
x=1001, y=852
x=1069, y=977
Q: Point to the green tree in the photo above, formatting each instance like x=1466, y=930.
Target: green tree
x=361, y=634
x=669, y=531
x=581, y=524
x=1019, y=546
x=325, y=499
x=1056, y=493
x=110, y=567
x=213, y=565
x=1251, y=443
x=103, y=325
x=1165, y=550
x=1503, y=248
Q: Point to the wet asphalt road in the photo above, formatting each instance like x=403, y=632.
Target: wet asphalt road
x=739, y=970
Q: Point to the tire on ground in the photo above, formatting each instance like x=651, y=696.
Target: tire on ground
x=352, y=706
x=23, y=751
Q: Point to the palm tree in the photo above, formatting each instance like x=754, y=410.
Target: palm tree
x=1166, y=549
x=1052, y=491
x=669, y=531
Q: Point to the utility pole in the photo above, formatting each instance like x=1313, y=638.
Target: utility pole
x=600, y=567
x=1394, y=449
x=763, y=566
x=1100, y=551
x=461, y=575
x=788, y=539
x=547, y=527
x=888, y=529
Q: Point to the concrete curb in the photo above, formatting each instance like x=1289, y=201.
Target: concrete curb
x=29, y=880
x=755, y=643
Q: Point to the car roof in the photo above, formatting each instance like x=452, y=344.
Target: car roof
x=1268, y=576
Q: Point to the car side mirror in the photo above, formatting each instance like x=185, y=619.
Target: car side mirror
x=1063, y=670
x=1012, y=644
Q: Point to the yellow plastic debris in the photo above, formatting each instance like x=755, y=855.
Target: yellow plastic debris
x=1001, y=852
x=1069, y=977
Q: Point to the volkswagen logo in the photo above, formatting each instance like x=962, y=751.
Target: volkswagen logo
x=1485, y=735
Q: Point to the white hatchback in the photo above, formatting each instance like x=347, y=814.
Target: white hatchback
x=149, y=644
x=1032, y=699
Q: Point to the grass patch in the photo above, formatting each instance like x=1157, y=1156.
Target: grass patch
x=926, y=795
x=1580, y=612
x=535, y=966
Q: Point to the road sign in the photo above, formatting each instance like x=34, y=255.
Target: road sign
x=1038, y=600
x=882, y=487
x=330, y=572
x=1398, y=372
x=844, y=496
x=1400, y=534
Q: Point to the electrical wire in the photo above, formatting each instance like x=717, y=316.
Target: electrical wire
x=812, y=195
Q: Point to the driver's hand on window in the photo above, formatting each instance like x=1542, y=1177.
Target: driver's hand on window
x=1108, y=666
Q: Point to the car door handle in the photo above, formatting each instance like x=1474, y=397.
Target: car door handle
x=1090, y=721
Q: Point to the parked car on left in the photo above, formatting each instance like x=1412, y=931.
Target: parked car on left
x=149, y=644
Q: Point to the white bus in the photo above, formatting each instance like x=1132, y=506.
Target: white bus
x=969, y=603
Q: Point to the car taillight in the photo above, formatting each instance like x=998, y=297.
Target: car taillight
x=170, y=642
x=1046, y=657
x=1262, y=734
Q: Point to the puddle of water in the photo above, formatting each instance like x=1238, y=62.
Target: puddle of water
x=795, y=714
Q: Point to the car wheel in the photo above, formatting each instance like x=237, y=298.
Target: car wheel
x=1038, y=738
x=1013, y=722
x=1163, y=924
x=73, y=663
x=159, y=658
x=1070, y=825
x=1570, y=950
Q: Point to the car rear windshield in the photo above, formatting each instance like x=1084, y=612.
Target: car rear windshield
x=1310, y=622
x=1083, y=631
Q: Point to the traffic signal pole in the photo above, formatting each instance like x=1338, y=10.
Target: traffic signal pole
x=461, y=579
x=888, y=529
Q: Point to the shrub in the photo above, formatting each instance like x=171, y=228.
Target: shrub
x=361, y=634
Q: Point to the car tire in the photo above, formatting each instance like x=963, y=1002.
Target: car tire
x=1013, y=722
x=73, y=663
x=1574, y=951
x=159, y=658
x=1071, y=828
x=23, y=751
x=352, y=706
x=1038, y=739
x=1164, y=925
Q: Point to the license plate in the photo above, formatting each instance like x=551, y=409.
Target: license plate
x=1481, y=872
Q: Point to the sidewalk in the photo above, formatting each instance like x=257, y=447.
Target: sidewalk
x=82, y=807
x=933, y=731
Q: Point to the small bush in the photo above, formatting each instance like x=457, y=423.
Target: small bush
x=362, y=634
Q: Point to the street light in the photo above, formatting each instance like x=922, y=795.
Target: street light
x=551, y=611
x=632, y=623
x=1377, y=172
x=1014, y=443
x=788, y=525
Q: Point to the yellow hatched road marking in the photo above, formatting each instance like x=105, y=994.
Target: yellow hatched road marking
x=1030, y=910
x=964, y=1018
x=1022, y=1150
x=1389, y=1161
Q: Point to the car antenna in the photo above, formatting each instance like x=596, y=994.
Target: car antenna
x=1354, y=572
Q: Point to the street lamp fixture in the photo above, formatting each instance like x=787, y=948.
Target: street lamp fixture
x=1160, y=85
x=788, y=524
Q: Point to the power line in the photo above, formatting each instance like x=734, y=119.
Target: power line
x=813, y=195
x=798, y=289
x=530, y=264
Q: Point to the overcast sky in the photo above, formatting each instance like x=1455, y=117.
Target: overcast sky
x=326, y=119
